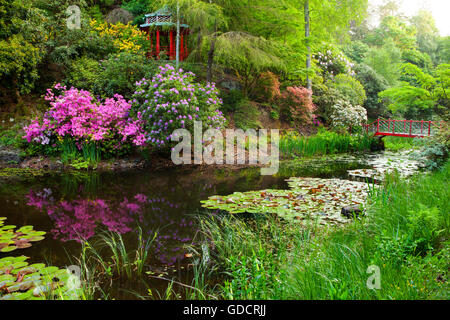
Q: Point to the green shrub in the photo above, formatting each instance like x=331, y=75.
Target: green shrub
x=425, y=226
x=373, y=84
x=356, y=51
x=231, y=100
x=274, y=115
x=83, y=73
x=246, y=116
x=120, y=72
x=350, y=88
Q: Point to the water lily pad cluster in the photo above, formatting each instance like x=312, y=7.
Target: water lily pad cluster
x=21, y=281
x=387, y=162
x=366, y=174
x=307, y=198
x=11, y=239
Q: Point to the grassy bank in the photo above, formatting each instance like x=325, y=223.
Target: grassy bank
x=405, y=235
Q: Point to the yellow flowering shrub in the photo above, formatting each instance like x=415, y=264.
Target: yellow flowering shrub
x=126, y=37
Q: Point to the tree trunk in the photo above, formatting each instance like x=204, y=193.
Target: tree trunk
x=308, y=46
x=178, y=37
x=211, y=55
x=199, y=46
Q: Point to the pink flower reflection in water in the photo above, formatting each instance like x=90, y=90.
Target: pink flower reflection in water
x=78, y=219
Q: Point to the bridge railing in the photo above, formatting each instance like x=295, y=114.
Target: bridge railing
x=403, y=128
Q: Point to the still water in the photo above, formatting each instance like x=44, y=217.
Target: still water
x=75, y=206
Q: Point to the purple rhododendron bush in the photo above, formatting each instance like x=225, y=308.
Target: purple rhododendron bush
x=173, y=100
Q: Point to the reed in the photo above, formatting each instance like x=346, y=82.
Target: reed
x=405, y=233
x=324, y=143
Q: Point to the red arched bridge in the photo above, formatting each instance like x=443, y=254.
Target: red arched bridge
x=403, y=128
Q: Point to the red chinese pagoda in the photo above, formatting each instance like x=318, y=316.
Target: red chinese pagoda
x=161, y=30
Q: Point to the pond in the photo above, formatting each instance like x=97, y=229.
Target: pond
x=75, y=205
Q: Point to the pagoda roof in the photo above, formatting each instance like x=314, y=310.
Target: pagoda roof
x=160, y=18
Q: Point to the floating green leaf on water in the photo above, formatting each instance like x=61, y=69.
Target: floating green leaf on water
x=11, y=240
x=20, y=281
x=307, y=198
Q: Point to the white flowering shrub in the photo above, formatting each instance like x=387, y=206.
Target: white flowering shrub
x=343, y=115
x=332, y=62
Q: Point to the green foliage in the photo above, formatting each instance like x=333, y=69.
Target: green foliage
x=409, y=101
x=83, y=73
x=384, y=61
x=399, y=143
x=325, y=142
x=425, y=227
x=401, y=235
x=120, y=72
x=20, y=52
x=357, y=51
x=435, y=152
x=87, y=157
x=373, y=84
x=349, y=88
x=274, y=115
x=246, y=116
x=394, y=29
x=420, y=59
x=231, y=100
x=423, y=95
x=246, y=56
x=325, y=97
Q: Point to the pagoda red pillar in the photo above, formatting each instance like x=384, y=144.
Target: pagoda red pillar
x=158, y=47
x=185, y=46
x=171, y=51
x=148, y=48
x=181, y=48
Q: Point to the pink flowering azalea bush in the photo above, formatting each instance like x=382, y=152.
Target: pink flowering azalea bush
x=173, y=100
x=77, y=116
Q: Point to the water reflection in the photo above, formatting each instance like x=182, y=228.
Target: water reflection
x=80, y=219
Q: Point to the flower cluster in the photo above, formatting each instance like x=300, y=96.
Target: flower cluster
x=172, y=100
x=344, y=116
x=333, y=63
x=76, y=114
x=126, y=37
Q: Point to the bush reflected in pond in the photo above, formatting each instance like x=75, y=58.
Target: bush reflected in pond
x=81, y=218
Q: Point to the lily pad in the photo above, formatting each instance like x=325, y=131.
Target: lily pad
x=21, y=281
x=307, y=198
x=11, y=240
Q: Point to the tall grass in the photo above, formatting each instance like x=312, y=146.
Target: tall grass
x=323, y=143
x=69, y=151
x=405, y=233
x=89, y=155
x=129, y=263
x=106, y=257
x=400, y=143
